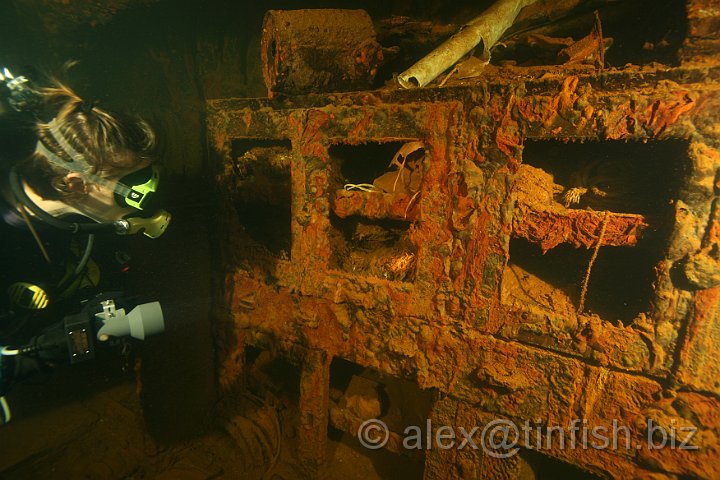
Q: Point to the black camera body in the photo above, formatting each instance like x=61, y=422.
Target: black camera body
x=76, y=338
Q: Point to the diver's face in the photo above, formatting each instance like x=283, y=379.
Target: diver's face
x=99, y=199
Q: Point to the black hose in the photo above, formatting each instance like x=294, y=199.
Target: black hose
x=80, y=266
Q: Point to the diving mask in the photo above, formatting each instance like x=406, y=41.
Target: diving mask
x=132, y=191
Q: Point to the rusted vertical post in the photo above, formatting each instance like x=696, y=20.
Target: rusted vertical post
x=314, y=397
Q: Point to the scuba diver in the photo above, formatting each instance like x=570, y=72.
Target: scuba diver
x=68, y=170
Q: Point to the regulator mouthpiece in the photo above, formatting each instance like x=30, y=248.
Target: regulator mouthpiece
x=151, y=227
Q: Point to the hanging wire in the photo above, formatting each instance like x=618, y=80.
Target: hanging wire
x=34, y=232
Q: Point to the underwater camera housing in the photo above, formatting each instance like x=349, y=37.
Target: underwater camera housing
x=83, y=329
x=76, y=335
x=99, y=321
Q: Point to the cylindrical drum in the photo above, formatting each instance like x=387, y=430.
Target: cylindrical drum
x=326, y=50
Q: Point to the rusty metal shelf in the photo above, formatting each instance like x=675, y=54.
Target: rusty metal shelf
x=375, y=205
x=551, y=227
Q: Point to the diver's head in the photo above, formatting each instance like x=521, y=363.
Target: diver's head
x=92, y=162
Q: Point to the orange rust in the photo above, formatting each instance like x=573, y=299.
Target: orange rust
x=508, y=141
x=508, y=137
x=220, y=141
x=375, y=205
x=311, y=136
x=620, y=122
x=661, y=115
x=359, y=129
x=531, y=110
x=578, y=227
x=247, y=118
x=464, y=208
x=567, y=96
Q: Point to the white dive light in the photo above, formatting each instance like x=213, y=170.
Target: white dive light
x=144, y=320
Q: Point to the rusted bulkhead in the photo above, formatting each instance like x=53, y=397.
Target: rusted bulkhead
x=469, y=282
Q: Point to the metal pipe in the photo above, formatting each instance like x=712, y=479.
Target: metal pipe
x=486, y=29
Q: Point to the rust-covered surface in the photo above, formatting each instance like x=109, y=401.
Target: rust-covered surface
x=486, y=309
x=305, y=51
